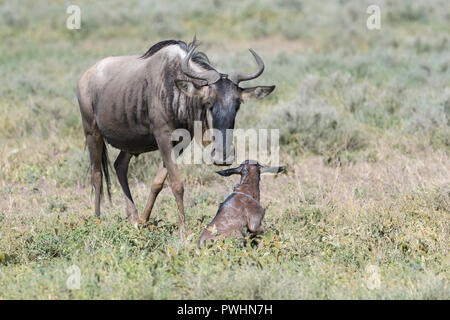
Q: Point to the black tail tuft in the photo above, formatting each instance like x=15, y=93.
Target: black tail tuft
x=105, y=168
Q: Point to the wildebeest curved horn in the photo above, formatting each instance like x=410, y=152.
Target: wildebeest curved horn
x=210, y=76
x=238, y=77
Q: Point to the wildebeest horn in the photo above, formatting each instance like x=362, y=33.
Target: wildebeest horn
x=210, y=76
x=238, y=77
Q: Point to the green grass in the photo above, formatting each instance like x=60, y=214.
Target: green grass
x=364, y=119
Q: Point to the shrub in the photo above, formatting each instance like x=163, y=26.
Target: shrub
x=310, y=124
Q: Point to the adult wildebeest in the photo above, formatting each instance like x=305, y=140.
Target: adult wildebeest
x=241, y=209
x=135, y=103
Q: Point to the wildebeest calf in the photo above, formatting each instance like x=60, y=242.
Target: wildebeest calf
x=241, y=208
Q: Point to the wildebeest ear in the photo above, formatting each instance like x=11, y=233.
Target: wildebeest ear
x=229, y=172
x=256, y=92
x=189, y=88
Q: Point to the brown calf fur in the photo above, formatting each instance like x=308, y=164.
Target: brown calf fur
x=241, y=208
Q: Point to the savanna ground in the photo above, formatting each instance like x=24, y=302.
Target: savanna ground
x=364, y=119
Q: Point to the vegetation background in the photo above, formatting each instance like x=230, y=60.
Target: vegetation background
x=364, y=119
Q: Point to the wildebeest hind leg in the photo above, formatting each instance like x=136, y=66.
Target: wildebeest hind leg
x=155, y=188
x=121, y=166
x=95, y=144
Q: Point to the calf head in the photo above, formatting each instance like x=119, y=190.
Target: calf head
x=250, y=168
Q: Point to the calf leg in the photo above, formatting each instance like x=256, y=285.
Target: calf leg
x=207, y=235
x=121, y=166
x=255, y=222
x=155, y=188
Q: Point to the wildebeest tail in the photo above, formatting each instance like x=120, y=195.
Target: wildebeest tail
x=105, y=169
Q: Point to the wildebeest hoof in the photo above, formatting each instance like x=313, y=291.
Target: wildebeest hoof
x=142, y=221
x=134, y=220
x=184, y=233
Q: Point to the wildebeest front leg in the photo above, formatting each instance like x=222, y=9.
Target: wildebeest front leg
x=176, y=184
x=155, y=188
x=121, y=166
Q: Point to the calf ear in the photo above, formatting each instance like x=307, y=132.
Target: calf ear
x=229, y=172
x=256, y=92
x=189, y=88
x=272, y=169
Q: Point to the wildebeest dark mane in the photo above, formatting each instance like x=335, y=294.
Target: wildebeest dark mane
x=199, y=57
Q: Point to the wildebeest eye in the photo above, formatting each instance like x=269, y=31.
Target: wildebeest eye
x=238, y=104
x=209, y=104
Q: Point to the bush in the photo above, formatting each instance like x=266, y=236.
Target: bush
x=310, y=124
